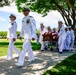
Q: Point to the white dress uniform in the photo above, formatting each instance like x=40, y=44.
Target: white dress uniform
x=68, y=40
x=72, y=39
x=42, y=31
x=12, y=28
x=61, y=39
x=29, y=32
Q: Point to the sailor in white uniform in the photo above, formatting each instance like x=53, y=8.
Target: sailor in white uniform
x=61, y=35
x=42, y=31
x=29, y=32
x=12, y=36
x=72, y=38
x=68, y=39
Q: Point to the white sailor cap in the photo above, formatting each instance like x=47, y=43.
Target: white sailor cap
x=68, y=27
x=41, y=23
x=26, y=9
x=12, y=15
x=60, y=21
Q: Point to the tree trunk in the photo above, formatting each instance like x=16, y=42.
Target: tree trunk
x=69, y=14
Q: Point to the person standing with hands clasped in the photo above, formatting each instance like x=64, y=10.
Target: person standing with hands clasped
x=29, y=32
x=12, y=36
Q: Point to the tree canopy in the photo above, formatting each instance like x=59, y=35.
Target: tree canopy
x=44, y=6
x=5, y=2
x=67, y=8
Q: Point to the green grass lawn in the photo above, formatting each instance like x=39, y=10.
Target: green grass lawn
x=66, y=67
x=4, y=46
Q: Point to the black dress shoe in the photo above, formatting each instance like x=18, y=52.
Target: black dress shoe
x=67, y=50
x=46, y=48
x=51, y=49
x=64, y=49
x=42, y=50
x=60, y=52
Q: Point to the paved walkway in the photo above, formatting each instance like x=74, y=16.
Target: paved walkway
x=43, y=61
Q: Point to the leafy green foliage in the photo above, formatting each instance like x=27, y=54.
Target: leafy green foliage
x=3, y=34
x=41, y=6
x=65, y=7
x=5, y=2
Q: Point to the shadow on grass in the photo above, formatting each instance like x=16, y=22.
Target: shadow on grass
x=66, y=67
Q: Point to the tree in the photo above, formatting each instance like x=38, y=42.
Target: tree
x=67, y=8
x=3, y=34
x=72, y=6
x=5, y=2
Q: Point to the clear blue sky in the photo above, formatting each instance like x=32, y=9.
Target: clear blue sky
x=49, y=20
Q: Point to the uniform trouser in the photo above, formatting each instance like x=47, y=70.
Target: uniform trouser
x=41, y=42
x=61, y=41
x=11, y=48
x=67, y=44
x=72, y=43
x=46, y=44
x=26, y=47
x=51, y=44
x=42, y=45
x=37, y=39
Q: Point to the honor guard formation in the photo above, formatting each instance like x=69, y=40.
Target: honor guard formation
x=61, y=38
